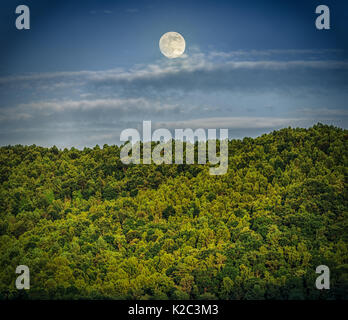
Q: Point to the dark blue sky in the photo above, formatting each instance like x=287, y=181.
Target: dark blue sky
x=87, y=69
x=76, y=35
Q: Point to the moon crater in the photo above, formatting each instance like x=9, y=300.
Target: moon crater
x=172, y=44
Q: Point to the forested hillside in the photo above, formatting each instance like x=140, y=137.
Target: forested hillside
x=89, y=226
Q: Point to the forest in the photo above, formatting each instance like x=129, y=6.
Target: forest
x=90, y=227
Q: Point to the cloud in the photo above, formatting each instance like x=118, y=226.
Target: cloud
x=196, y=71
x=323, y=112
x=281, y=53
x=192, y=75
x=99, y=108
x=240, y=127
x=230, y=122
x=248, y=92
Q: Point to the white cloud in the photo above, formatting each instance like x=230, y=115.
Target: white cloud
x=195, y=91
x=132, y=107
x=189, y=63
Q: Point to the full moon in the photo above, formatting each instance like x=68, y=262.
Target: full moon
x=172, y=44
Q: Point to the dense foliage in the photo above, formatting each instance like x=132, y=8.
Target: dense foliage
x=89, y=226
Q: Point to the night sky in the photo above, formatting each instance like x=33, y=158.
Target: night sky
x=86, y=70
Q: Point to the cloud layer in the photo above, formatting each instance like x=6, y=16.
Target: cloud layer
x=250, y=92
